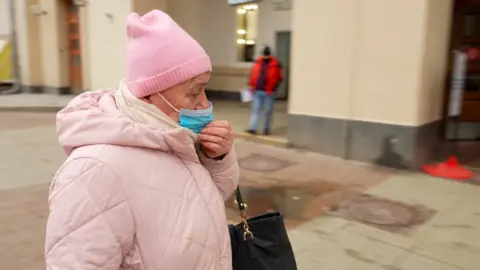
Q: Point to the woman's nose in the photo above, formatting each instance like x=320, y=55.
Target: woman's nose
x=203, y=103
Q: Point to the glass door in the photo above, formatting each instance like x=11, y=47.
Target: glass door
x=466, y=37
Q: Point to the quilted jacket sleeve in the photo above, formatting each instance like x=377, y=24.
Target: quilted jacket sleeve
x=90, y=225
x=225, y=172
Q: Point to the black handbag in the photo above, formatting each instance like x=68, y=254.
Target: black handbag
x=261, y=242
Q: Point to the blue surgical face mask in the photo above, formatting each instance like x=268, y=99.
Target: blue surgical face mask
x=195, y=120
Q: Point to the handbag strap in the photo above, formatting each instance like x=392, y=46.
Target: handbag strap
x=242, y=207
x=239, y=200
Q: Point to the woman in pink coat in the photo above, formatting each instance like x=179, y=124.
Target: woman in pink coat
x=148, y=170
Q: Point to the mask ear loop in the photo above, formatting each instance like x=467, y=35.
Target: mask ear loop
x=168, y=103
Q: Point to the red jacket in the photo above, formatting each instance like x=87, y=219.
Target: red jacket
x=273, y=76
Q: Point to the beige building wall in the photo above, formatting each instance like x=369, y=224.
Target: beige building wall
x=219, y=40
x=105, y=42
x=84, y=28
x=219, y=32
x=367, y=62
x=368, y=83
x=228, y=78
x=35, y=56
x=51, y=46
x=62, y=41
x=435, y=60
x=271, y=21
x=144, y=6
x=213, y=24
x=42, y=44
x=387, y=67
x=189, y=14
x=321, y=65
x=21, y=21
x=5, y=19
x=104, y=39
x=29, y=45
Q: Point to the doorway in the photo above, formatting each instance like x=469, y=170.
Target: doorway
x=74, y=48
x=282, y=47
x=462, y=137
x=466, y=37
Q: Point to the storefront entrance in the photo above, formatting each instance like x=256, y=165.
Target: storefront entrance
x=463, y=135
x=74, y=50
x=466, y=37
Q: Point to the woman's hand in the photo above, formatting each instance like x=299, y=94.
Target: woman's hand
x=217, y=138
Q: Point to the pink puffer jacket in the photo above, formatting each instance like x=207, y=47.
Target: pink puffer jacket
x=133, y=197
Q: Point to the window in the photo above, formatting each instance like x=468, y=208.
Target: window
x=246, y=32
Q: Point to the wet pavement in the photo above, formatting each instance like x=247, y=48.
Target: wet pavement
x=302, y=185
x=340, y=215
x=299, y=203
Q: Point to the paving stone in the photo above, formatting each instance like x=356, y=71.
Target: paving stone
x=344, y=251
x=414, y=261
x=263, y=163
x=23, y=214
x=304, y=190
x=384, y=214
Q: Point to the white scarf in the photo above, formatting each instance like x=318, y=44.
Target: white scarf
x=140, y=111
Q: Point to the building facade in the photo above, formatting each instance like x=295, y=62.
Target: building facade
x=52, y=33
x=367, y=80
x=5, y=18
x=6, y=61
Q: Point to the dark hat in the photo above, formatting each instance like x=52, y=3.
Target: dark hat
x=266, y=51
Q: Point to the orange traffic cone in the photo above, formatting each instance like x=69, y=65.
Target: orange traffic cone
x=450, y=169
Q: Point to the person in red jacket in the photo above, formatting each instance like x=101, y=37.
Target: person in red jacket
x=265, y=78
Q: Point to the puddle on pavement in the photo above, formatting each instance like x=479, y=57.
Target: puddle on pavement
x=298, y=203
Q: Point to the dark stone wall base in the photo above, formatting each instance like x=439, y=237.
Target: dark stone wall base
x=222, y=95
x=46, y=89
x=388, y=145
x=227, y=95
x=466, y=131
x=32, y=89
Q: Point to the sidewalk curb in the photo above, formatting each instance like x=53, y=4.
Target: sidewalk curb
x=267, y=140
x=31, y=109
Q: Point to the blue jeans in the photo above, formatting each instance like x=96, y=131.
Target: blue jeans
x=261, y=99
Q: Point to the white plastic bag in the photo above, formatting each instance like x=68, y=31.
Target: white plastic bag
x=246, y=95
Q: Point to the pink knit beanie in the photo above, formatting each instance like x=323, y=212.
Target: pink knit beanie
x=160, y=54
